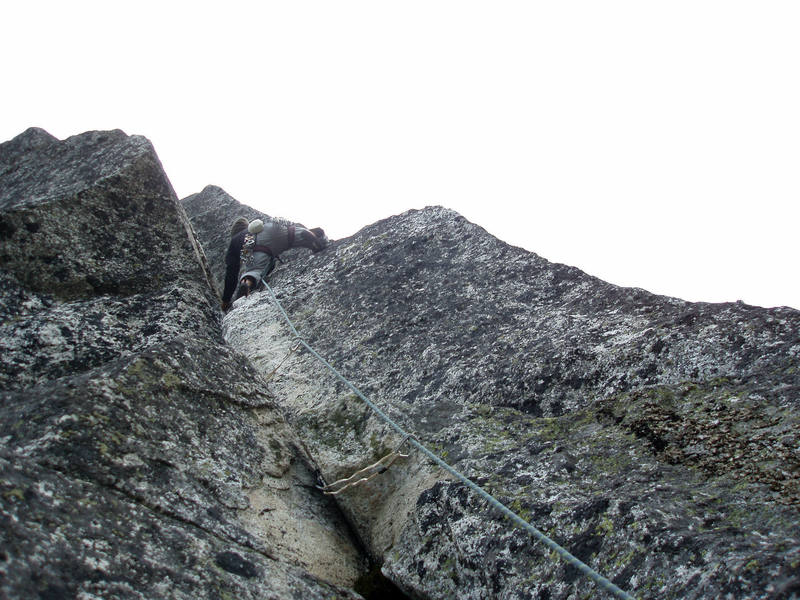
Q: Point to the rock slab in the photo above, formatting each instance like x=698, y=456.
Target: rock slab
x=656, y=439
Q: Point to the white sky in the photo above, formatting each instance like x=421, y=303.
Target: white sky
x=652, y=144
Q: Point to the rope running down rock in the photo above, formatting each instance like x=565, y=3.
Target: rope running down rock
x=562, y=552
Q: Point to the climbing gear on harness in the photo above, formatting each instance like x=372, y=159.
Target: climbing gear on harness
x=367, y=473
x=246, y=254
x=249, y=249
x=249, y=246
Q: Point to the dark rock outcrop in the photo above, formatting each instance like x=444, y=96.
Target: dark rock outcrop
x=140, y=457
x=656, y=439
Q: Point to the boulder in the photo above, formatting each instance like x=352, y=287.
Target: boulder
x=654, y=438
x=140, y=456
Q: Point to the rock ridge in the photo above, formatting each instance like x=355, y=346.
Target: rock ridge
x=140, y=456
x=646, y=434
x=144, y=453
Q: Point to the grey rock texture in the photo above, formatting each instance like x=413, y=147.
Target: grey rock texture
x=654, y=438
x=140, y=456
x=213, y=211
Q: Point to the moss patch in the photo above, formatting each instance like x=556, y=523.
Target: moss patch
x=720, y=427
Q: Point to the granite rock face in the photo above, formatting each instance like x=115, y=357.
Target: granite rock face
x=140, y=456
x=150, y=448
x=656, y=439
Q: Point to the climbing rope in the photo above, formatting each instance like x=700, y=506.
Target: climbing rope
x=562, y=552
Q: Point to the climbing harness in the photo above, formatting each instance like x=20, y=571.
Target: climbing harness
x=247, y=256
x=562, y=552
x=367, y=473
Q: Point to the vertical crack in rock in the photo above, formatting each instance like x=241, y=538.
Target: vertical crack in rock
x=346, y=439
x=142, y=456
x=286, y=512
x=654, y=438
x=134, y=444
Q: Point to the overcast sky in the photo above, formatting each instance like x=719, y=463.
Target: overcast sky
x=652, y=144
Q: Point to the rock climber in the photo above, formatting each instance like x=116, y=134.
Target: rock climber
x=258, y=245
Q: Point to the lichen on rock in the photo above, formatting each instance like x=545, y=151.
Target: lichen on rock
x=151, y=448
x=543, y=385
x=135, y=444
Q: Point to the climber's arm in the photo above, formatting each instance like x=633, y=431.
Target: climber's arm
x=307, y=239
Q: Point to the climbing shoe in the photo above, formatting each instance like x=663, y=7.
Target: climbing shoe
x=245, y=287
